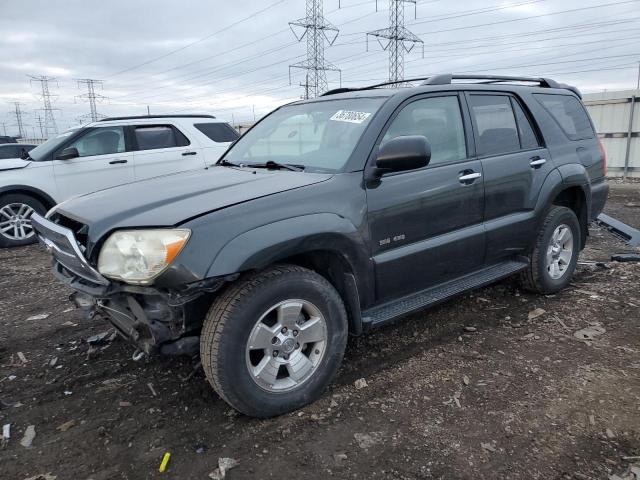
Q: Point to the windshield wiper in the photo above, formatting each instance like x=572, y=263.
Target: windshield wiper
x=277, y=166
x=229, y=164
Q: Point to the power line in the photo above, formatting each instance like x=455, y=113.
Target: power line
x=49, y=120
x=317, y=30
x=92, y=97
x=207, y=37
x=399, y=39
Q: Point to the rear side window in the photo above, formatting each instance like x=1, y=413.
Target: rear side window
x=218, y=132
x=528, y=137
x=159, y=136
x=569, y=113
x=495, y=123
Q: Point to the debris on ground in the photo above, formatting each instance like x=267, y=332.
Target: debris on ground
x=536, y=313
x=66, y=425
x=626, y=257
x=488, y=447
x=102, y=337
x=465, y=379
x=42, y=476
x=360, y=384
x=224, y=465
x=339, y=458
x=631, y=473
x=367, y=440
x=40, y=316
x=153, y=392
x=29, y=435
x=6, y=435
x=22, y=357
x=589, y=333
x=165, y=462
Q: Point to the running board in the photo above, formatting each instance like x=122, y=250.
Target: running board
x=381, y=314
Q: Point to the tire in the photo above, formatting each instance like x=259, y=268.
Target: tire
x=542, y=276
x=269, y=300
x=16, y=207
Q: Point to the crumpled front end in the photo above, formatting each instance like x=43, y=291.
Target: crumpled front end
x=154, y=320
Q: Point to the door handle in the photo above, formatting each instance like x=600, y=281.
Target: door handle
x=537, y=162
x=114, y=162
x=469, y=177
x=184, y=154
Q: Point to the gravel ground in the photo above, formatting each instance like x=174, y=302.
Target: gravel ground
x=492, y=385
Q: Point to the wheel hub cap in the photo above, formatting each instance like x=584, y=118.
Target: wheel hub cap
x=286, y=345
x=559, y=252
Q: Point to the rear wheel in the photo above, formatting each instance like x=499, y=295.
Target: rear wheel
x=555, y=253
x=273, y=341
x=15, y=219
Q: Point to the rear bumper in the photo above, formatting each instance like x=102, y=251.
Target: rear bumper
x=599, y=194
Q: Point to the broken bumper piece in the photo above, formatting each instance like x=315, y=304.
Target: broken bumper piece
x=154, y=320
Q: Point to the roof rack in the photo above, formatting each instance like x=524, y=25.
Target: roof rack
x=142, y=117
x=447, y=78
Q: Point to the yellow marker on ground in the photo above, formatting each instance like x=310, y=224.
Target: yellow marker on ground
x=165, y=461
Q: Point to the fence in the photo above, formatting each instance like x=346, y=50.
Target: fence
x=617, y=119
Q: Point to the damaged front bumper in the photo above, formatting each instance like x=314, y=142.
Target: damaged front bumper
x=154, y=320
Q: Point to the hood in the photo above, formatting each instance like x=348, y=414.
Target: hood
x=13, y=163
x=172, y=199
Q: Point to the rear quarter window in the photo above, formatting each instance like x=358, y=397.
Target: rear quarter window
x=218, y=132
x=569, y=114
x=155, y=137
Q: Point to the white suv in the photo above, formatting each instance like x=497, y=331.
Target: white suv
x=100, y=155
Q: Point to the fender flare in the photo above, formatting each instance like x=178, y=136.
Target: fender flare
x=270, y=243
x=26, y=188
x=264, y=245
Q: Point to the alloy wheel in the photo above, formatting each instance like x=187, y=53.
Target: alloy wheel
x=15, y=221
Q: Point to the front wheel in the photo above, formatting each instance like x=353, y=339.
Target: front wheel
x=15, y=219
x=273, y=341
x=555, y=253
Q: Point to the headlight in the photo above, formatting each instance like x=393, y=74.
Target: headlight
x=138, y=256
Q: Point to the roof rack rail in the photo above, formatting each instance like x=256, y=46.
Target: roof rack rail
x=369, y=87
x=142, y=117
x=447, y=78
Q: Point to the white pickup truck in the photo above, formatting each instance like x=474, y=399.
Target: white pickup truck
x=103, y=154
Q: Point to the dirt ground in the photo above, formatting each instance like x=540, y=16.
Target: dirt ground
x=474, y=389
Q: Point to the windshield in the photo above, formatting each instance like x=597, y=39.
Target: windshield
x=42, y=151
x=318, y=136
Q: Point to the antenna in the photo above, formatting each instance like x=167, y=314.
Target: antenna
x=49, y=121
x=92, y=97
x=399, y=39
x=317, y=30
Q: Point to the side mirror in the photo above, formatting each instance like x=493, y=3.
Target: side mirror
x=68, y=153
x=403, y=153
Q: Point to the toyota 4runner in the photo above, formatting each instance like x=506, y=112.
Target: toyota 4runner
x=331, y=216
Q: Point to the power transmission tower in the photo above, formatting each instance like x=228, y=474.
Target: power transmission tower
x=92, y=97
x=317, y=31
x=40, y=123
x=49, y=120
x=399, y=39
x=17, y=113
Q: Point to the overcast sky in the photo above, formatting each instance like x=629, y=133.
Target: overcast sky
x=231, y=58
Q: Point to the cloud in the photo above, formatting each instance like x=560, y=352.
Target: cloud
x=242, y=66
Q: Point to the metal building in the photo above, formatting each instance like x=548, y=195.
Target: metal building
x=617, y=119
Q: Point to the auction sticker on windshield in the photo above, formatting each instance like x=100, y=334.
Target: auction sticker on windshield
x=350, y=116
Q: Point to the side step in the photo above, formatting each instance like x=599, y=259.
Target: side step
x=417, y=301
